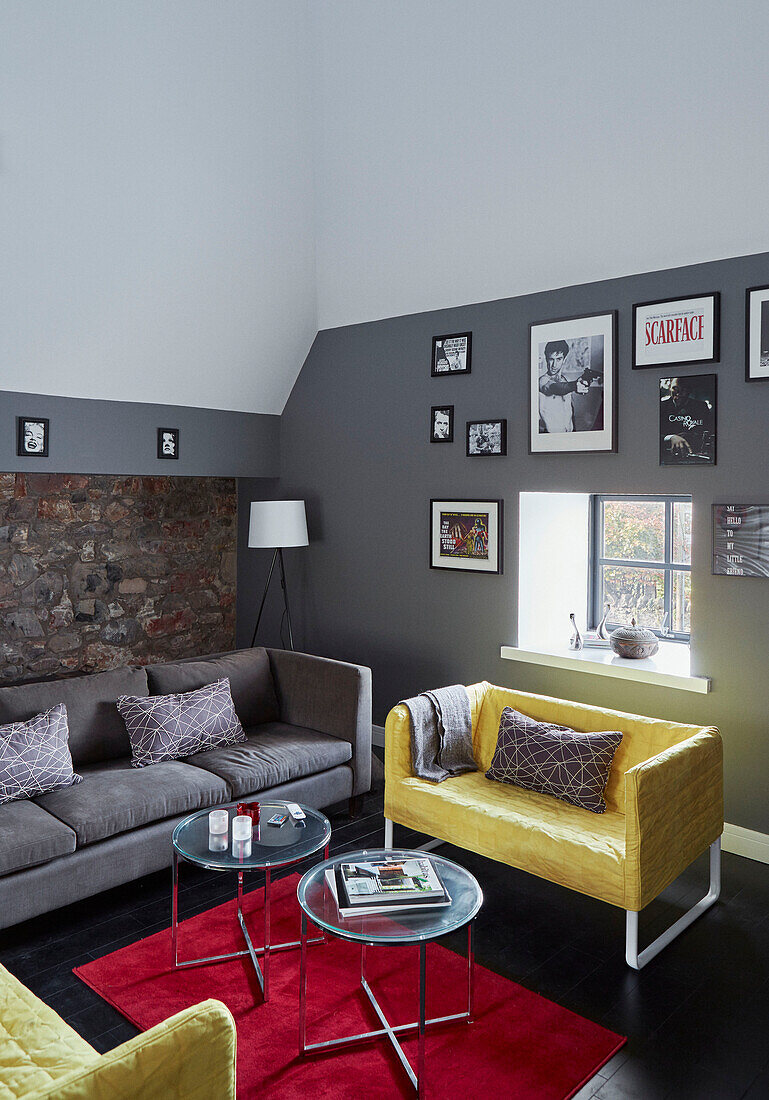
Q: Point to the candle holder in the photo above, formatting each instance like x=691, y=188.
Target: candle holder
x=241, y=837
x=218, y=824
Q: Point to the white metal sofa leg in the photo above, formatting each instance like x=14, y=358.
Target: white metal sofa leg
x=388, y=839
x=636, y=958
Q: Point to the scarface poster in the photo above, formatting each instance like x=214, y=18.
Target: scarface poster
x=688, y=420
x=680, y=331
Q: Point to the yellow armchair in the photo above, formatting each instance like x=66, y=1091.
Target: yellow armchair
x=664, y=807
x=190, y=1056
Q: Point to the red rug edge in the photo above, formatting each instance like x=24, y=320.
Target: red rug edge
x=77, y=971
x=598, y=1068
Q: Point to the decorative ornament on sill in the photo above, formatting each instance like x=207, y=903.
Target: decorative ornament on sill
x=575, y=641
x=634, y=642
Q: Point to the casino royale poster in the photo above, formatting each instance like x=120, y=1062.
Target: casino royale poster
x=684, y=330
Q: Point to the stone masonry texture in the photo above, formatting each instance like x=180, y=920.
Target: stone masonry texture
x=99, y=572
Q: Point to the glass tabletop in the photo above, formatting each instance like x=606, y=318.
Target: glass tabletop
x=317, y=900
x=271, y=845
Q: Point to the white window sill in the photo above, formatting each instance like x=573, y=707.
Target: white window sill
x=670, y=666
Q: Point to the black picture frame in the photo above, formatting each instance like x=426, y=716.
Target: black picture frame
x=753, y=355
x=438, y=343
x=487, y=453
x=22, y=449
x=494, y=564
x=673, y=364
x=612, y=436
x=163, y=452
x=449, y=410
x=702, y=438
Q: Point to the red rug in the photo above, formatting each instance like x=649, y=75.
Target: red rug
x=519, y=1045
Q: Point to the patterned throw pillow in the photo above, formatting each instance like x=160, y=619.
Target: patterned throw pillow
x=554, y=760
x=167, y=727
x=34, y=756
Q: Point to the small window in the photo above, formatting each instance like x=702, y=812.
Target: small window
x=640, y=563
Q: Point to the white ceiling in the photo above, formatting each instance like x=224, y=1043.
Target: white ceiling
x=190, y=189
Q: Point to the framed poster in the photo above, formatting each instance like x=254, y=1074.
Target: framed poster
x=676, y=331
x=32, y=436
x=451, y=354
x=466, y=535
x=442, y=424
x=757, y=334
x=168, y=442
x=688, y=420
x=486, y=437
x=573, y=385
x=741, y=540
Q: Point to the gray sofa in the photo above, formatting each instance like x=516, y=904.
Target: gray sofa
x=308, y=726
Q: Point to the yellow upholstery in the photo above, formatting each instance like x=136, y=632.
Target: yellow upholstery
x=190, y=1056
x=664, y=800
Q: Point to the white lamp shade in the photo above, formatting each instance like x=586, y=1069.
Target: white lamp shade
x=276, y=523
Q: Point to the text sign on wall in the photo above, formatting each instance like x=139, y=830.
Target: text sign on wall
x=677, y=331
x=741, y=540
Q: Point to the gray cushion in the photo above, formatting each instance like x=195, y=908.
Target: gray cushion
x=273, y=753
x=167, y=727
x=28, y=835
x=248, y=671
x=96, y=730
x=114, y=797
x=34, y=756
x=554, y=760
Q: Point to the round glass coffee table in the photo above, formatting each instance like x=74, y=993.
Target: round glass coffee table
x=397, y=928
x=271, y=847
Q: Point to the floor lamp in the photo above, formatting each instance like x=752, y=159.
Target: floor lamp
x=277, y=523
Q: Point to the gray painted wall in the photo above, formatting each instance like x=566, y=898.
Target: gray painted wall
x=120, y=437
x=355, y=445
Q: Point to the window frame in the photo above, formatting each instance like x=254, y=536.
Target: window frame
x=596, y=559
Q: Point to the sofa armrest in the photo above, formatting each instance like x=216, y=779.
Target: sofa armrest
x=330, y=696
x=190, y=1055
x=398, y=743
x=674, y=809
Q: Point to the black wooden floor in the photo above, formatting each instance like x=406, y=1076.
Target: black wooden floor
x=697, y=1017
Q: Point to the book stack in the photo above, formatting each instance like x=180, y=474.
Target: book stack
x=386, y=886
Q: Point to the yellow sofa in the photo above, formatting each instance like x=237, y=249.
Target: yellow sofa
x=664, y=802
x=190, y=1056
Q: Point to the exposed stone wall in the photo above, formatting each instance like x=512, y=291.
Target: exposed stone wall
x=99, y=571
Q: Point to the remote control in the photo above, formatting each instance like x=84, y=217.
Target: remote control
x=296, y=812
x=277, y=819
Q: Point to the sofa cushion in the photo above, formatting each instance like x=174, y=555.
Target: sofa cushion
x=114, y=797
x=248, y=671
x=554, y=760
x=168, y=727
x=96, y=730
x=29, y=835
x=34, y=756
x=273, y=753
x=525, y=829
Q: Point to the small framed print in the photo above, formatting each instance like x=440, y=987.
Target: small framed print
x=442, y=424
x=451, y=354
x=573, y=385
x=168, y=442
x=757, y=334
x=32, y=436
x=676, y=332
x=486, y=437
x=741, y=540
x=688, y=420
x=466, y=535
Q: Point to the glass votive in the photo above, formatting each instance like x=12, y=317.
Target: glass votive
x=218, y=821
x=241, y=837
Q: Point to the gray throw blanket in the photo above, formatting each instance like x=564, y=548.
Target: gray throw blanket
x=441, y=733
